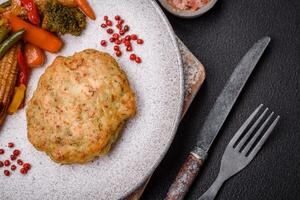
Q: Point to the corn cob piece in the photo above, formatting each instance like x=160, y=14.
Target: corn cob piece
x=8, y=77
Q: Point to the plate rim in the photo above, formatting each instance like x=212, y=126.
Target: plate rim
x=181, y=98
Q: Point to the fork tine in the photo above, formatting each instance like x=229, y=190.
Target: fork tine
x=247, y=135
x=264, y=138
x=244, y=126
x=257, y=134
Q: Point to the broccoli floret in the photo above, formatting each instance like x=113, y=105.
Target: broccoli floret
x=62, y=19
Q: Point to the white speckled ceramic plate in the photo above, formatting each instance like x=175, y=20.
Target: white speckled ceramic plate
x=158, y=83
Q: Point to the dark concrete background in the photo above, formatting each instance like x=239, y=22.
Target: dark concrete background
x=219, y=39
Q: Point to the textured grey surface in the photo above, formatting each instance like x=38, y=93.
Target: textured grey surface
x=219, y=39
x=158, y=83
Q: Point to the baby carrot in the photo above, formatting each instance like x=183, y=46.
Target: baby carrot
x=86, y=8
x=36, y=35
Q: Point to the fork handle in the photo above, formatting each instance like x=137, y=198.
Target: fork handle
x=213, y=190
x=185, y=177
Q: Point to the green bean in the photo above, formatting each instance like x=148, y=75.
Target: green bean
x=5, y=4
x=9, y=42
x=3, y=34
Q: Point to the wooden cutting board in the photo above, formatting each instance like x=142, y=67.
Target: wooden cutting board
x=194, y=75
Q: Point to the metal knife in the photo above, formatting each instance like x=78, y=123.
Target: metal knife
x=215, y=120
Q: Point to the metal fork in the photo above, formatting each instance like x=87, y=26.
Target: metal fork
x=242, y=149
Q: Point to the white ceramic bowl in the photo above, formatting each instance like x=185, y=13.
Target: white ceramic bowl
x=187, y=13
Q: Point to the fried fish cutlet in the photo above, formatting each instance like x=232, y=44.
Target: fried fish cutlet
x=79, y=107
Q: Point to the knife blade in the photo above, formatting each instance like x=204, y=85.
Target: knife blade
x=228, y=97
x=216, y=119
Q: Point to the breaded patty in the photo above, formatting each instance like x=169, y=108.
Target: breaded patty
x=79, y=107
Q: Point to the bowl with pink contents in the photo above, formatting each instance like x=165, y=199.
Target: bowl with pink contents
x=187, y=8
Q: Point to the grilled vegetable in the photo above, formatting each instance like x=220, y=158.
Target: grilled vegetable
x=17, y=99
x=17, y=9
x=64, y=20
x=35, y=57
x=23, y=67
x=36, y=35
x=11, y=41
x=8, y=77
x=3, y=33
x=32, y=11
x=86, y=8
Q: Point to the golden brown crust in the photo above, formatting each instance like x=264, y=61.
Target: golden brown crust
x=79, y=107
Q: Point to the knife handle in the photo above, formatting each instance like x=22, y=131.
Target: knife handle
x=185, y=177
